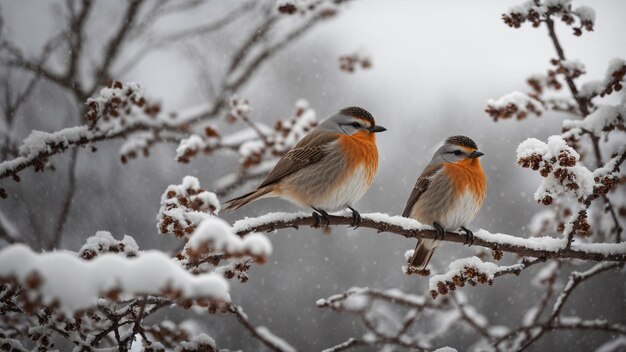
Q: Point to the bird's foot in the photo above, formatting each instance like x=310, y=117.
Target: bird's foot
x=440, y=231
x=470, y=236
x=356, y=218
x=321, y=216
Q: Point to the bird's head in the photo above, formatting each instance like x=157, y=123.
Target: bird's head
x=350, y=121
x=458, y=149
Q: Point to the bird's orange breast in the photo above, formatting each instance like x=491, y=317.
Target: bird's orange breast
x=467, y=174
x=360, y=149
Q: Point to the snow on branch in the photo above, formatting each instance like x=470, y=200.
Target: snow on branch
x=461, y=271
x=515, y=104
x=103, y=242
x=262, y=333
x=612, y=81
x=63, y=280
x=184, y=206
x=535, y=11
x=538, y=247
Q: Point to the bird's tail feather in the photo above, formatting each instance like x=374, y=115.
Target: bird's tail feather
x=250, y=197
x=422, y=254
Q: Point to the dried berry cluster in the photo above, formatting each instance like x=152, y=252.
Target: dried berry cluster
x=615, y=81
x=469, y=275
x=569, y=69
x=103, y=243
x=536, y=13
x=286, y=135
x=557, y=166
x=182, y=209
x=239, y=110
x=237, y=269
x=349, y=63
x=539, y=83
x=190, y=147
x=116, y=103
x=515, y=109
x=138, y=144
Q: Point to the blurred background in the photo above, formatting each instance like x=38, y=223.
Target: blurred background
x=434, y=65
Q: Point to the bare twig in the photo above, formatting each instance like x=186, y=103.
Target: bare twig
x=242, y=318
x=67, y=202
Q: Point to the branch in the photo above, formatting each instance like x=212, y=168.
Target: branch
x=544, y=247
x=262, y=334
x=67, y=202
x=575, y=279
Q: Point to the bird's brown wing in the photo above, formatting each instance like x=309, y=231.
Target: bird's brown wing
x=309, y=150
x=421, y=186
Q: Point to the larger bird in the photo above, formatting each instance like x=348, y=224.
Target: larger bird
x=329, y=169
x=448, y=194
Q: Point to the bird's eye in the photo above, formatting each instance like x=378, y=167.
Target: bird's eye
x=356, y=125
x=458, y=152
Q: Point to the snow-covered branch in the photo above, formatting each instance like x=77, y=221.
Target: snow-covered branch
x=538, y=247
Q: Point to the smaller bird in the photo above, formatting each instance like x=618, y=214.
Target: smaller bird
x=448, y=194
x=329, y=169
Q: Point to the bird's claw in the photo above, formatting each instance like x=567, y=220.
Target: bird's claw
x=320, y=217
x=470, y=236
x=440, y=231
x=356, y=218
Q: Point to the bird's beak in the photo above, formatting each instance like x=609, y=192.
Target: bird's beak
x=476, y=154
x=376, y=129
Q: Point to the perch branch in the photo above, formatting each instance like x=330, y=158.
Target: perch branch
x=530, y=247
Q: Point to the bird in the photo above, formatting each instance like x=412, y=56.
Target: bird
x=448, y=194
x=329, y=169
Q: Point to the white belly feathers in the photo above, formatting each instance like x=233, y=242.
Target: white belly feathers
x=462, y=212
x=347, y=193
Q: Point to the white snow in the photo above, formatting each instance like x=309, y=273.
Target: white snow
x=201, y=342
x=220, y=237
x=603, y=116
x=586, y=13
x=593, y=88
x=355, y=303
x=400, y=221
x=102, y=241
x=38, y=141
x=77, y=284
x=573, y=65
x=518, y=99
x=551, y=185
x=195, y=206
x=445, y=349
